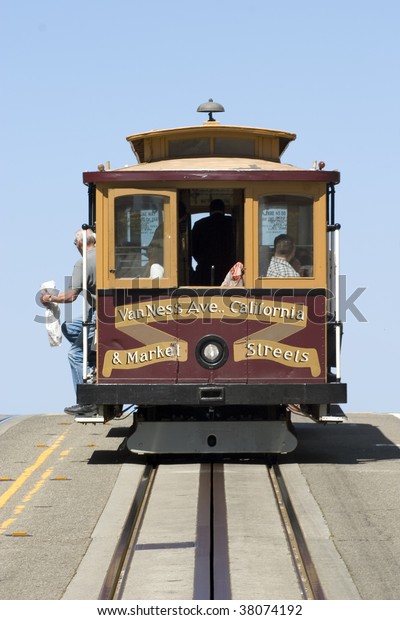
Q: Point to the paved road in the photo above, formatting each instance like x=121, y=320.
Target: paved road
x=56, y=478
x=353, y=472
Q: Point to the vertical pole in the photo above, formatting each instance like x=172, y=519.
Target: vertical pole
x=85, y=303
x=92, y=219
x=332, y=193
x=338, y=323
x=92, y=203
x=334, y=273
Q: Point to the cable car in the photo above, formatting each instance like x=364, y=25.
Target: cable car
x=217, y=352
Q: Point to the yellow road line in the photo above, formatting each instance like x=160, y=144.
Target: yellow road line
x=38, y=485
x=18, y=510
x=29, y=471
x=6, y=524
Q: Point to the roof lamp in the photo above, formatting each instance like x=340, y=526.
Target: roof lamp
x=210, y=106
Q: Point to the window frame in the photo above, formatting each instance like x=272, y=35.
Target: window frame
x=169, y=240
x=315, y=192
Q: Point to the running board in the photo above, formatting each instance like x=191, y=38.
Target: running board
x=89, y=419
x=332, y=418
x=335, y=415
x=230, y=437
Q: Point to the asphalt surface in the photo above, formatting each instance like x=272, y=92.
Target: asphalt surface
x=56, y=478
x=64, y=489
x=353, y=472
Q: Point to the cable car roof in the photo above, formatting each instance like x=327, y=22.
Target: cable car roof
x=209, y=164
x=210, y=138
x=210, y=151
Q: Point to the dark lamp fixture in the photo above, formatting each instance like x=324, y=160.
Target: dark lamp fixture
x=210, y=106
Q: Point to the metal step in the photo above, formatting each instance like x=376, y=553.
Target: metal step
x=89, y=419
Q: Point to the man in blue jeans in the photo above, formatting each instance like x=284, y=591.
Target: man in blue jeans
x=73, y=330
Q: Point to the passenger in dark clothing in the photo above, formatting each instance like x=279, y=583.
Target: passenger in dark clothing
x=213, y=245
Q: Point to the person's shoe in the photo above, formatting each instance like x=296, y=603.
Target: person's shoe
x=299, y=409
x=81, y=410
x=294, y=408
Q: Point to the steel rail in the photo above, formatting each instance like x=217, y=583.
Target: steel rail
x=128, y=535
x=307, y=574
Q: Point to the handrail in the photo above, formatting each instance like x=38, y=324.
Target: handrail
x=85, y=304
x=334, y=282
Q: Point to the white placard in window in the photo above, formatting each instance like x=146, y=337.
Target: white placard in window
x=273, y=223
x=149, y=223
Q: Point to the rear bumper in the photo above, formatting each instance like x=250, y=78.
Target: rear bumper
x=213, y=395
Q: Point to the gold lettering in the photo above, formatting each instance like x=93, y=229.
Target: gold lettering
x=150, y=354
x=296, y=357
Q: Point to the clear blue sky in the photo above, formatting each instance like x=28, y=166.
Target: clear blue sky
x=78, y=77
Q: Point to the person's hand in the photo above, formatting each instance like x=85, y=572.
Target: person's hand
x=45, y=298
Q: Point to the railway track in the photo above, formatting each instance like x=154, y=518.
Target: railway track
x=302, y=561
x=113, y=582
x=203, y=553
